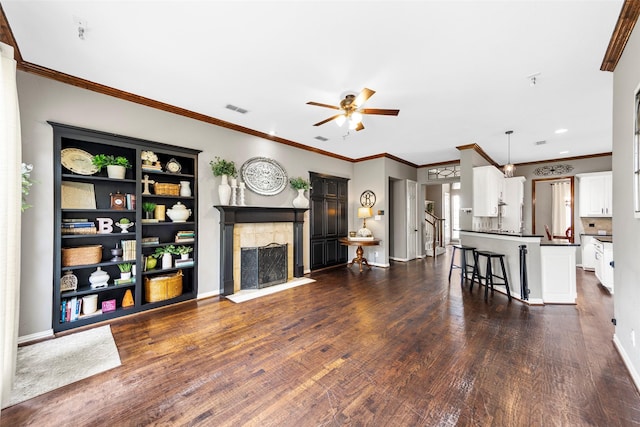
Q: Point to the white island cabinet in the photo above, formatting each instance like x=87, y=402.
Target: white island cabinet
x=558, y=273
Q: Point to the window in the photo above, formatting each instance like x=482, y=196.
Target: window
x=444, y=172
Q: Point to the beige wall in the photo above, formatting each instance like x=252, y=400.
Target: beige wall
x=626, y=228
x=43, y=100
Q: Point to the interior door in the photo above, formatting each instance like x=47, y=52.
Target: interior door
x=412, y=219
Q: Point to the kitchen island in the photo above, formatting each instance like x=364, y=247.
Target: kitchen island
x=551, y=275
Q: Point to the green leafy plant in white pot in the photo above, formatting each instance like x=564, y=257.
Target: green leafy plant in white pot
x=116, y=165
x=165, y=252
x=184, y=251
x=300, y=184
x=125, y=270
x=224, y=169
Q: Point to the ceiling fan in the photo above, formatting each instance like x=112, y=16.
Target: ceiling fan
x=351, y=110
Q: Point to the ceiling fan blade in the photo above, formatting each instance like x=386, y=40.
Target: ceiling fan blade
x=363, y=96
x=323, y=105
x=359, y=127
x=328, y=120
x=379, y=111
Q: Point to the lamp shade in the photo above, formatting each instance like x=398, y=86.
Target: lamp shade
x=365, y=212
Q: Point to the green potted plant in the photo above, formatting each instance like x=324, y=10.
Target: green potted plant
x=116, y=165
x=125, y=270
x=223, y=168
x=165, y=252
x=148, y=208
x=300, y=184
x=124, y=224
x=184, y=251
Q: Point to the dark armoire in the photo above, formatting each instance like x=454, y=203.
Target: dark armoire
x=328, y=216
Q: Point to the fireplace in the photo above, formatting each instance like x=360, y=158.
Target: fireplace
x=263, y=266
x=233, y=219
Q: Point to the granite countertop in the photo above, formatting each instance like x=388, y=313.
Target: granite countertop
x=559, y=244
x=502, y=233
x=604, y=239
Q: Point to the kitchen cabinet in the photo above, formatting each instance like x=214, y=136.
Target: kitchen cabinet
x=488, y=184
x=513, y=196
x=603, y=268
x=595, y=194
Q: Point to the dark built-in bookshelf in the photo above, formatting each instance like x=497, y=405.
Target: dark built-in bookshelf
x=88, y=205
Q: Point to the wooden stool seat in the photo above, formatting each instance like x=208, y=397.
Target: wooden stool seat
x=488, y=273
x=464, y=266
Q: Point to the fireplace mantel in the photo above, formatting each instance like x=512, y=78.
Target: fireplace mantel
x=231, y=215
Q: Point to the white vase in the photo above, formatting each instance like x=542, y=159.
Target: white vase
x=224, y=191
x=184, y=256
x=167, y=261
x=115, y=171
x=125, y=275
x=300, y=201
x=185, y=188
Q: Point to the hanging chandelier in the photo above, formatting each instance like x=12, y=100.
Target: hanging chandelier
x=509, y=168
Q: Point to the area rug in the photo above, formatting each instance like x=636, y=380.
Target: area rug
x=249, y=294
x=54, y=363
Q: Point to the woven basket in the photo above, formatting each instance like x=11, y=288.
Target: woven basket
x=160, y=288
x=164, y=189
x=81, y=255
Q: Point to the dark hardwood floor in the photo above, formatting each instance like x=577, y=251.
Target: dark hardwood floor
x=388, y=347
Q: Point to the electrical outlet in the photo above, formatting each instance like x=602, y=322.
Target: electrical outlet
x=376, y=254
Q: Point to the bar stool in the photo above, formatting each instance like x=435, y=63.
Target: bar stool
x=488, y=273
x=463, y=266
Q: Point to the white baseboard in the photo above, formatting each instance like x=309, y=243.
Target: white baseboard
x=379, y=264
x=627, y=362
x=35, y=337
x=399, y=259
x=208, y=294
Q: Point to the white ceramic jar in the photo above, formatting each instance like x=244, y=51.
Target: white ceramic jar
x=179, y=213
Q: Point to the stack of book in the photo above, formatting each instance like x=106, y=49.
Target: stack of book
x=70, y=309
x=128, y=250
x=185, y=236
x=130, y=281
x=78, y=226
x=154, y=167
x=131, y=202
x=180, y=263
x=150, y=241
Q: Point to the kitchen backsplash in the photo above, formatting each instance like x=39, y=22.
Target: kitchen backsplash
x=599, y=224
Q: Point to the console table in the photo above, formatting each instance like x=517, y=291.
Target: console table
x=359, y=259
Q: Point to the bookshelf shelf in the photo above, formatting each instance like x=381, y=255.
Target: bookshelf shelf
x=75, y=212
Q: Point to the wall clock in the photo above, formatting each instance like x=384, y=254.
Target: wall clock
x=368, y=198
x=173, y=166
x=118, y=201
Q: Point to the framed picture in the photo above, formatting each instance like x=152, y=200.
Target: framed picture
x=77, y=195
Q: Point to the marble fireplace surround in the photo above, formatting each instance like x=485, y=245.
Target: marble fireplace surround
x=230, y=216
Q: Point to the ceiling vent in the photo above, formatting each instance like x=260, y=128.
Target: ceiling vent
x=541, y=142
x=237, y=109
x=321, y=138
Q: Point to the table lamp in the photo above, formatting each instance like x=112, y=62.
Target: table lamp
x=365, y=213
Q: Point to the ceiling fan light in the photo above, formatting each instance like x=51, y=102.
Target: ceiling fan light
x=356, y=116
x=353, y=124
x=340, y=120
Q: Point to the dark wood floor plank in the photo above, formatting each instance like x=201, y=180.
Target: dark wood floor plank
x=398, y=346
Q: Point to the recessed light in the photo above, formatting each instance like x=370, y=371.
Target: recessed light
x=272, y=133
x=559, y=131
x=564, y=152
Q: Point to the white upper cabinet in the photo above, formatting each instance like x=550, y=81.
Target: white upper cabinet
x=596, y=194
x=487, y=190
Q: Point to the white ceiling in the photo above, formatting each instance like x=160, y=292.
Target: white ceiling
x=457, y=71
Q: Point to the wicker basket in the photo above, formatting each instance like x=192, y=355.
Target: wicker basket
x=81, y=255
x=160, y=288
x=164, y=189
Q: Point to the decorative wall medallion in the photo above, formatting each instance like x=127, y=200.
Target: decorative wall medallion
x=553, y=170
x=368, y=198
x=264, y=176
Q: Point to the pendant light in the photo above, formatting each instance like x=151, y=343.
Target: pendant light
x=509, y=168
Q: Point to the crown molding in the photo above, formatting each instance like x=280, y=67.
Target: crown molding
x=565, y=159
x=480, y=151
x=621, y=33
x=433, y=165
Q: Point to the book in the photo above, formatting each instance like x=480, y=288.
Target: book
x=128, y=250
x=109, y=305
x=131, y=201
x=77, y=224
x=184, y=262
x=148, y=241
x=184, y=240
x=128, y=281
x=75, y=219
